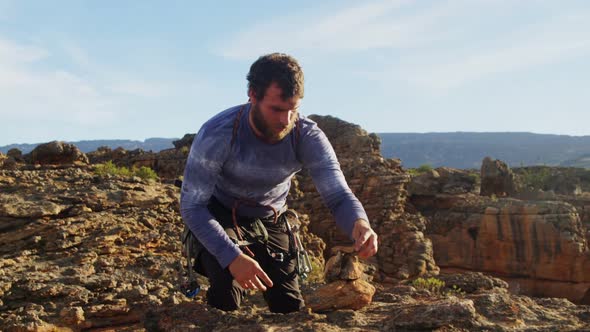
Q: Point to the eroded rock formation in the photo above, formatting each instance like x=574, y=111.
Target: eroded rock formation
x=379, y=184
x=540, y=247
x=496, y=178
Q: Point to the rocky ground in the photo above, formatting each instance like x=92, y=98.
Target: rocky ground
x=80, y=251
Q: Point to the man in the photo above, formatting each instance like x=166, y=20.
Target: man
x=239, y=170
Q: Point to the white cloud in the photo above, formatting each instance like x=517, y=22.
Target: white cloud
x=12, y=53
x=92, y=93
x=116, y=82
x=77, y=55
x=401, y=25
x=544, y=43
x=434, y=45
x=367, y=26
x=40, y=99
x=31, y=96
x=140, y=88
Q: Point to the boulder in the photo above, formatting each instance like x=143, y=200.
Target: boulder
x=16, y=154
x=186, y=140
x=57, y=153
x=427, y=183
x=471, y=282
x=8, y=162
x=443, y=180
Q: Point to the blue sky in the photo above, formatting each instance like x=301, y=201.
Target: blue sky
x=75, y=70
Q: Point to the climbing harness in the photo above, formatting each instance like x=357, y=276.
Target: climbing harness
x=260, y=232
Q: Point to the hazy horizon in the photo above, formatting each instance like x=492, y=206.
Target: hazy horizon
x=378, y=133
x=137, y=70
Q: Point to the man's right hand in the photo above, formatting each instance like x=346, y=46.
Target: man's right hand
x=247, y=272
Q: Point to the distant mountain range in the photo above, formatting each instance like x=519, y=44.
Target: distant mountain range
x=153, y=144
x=458, y=150
x=466, y=150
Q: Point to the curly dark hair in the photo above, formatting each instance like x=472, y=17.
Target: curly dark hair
x=276, y=67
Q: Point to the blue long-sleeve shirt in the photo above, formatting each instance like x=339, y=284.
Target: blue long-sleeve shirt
x=257, y=171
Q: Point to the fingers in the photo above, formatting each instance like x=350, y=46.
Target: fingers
x=248, y=273
x=254, y=280
x=249, y=284
x=254, y=284
x=262, y=275
x=369, y=248
x=257, y=284
x=365, y=239
x=360, y=242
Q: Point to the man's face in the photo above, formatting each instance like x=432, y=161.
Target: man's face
x=273, y=117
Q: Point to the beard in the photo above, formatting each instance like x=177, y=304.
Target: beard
x=269, y=133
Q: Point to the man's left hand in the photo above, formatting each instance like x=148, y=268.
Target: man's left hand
x=365, y=239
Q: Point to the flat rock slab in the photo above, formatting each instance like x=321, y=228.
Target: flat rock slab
x=341, y=294
x=18, y=208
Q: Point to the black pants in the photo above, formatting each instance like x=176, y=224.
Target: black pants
x=227, y=295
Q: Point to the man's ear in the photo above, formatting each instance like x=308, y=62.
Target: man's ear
x=252, y=96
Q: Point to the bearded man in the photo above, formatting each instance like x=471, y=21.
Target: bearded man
x=238, y=174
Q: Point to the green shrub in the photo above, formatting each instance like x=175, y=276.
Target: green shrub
x=109, y=168
x=432, y=285
x=456, y=291
x=145, y=173
x=437, y=287
x=475, y=177
x=536, y=178
x=422, y=169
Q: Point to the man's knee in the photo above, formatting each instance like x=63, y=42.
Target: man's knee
x=286, y=306
x=222, y=293
x=284, y=297
x=224, y=299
